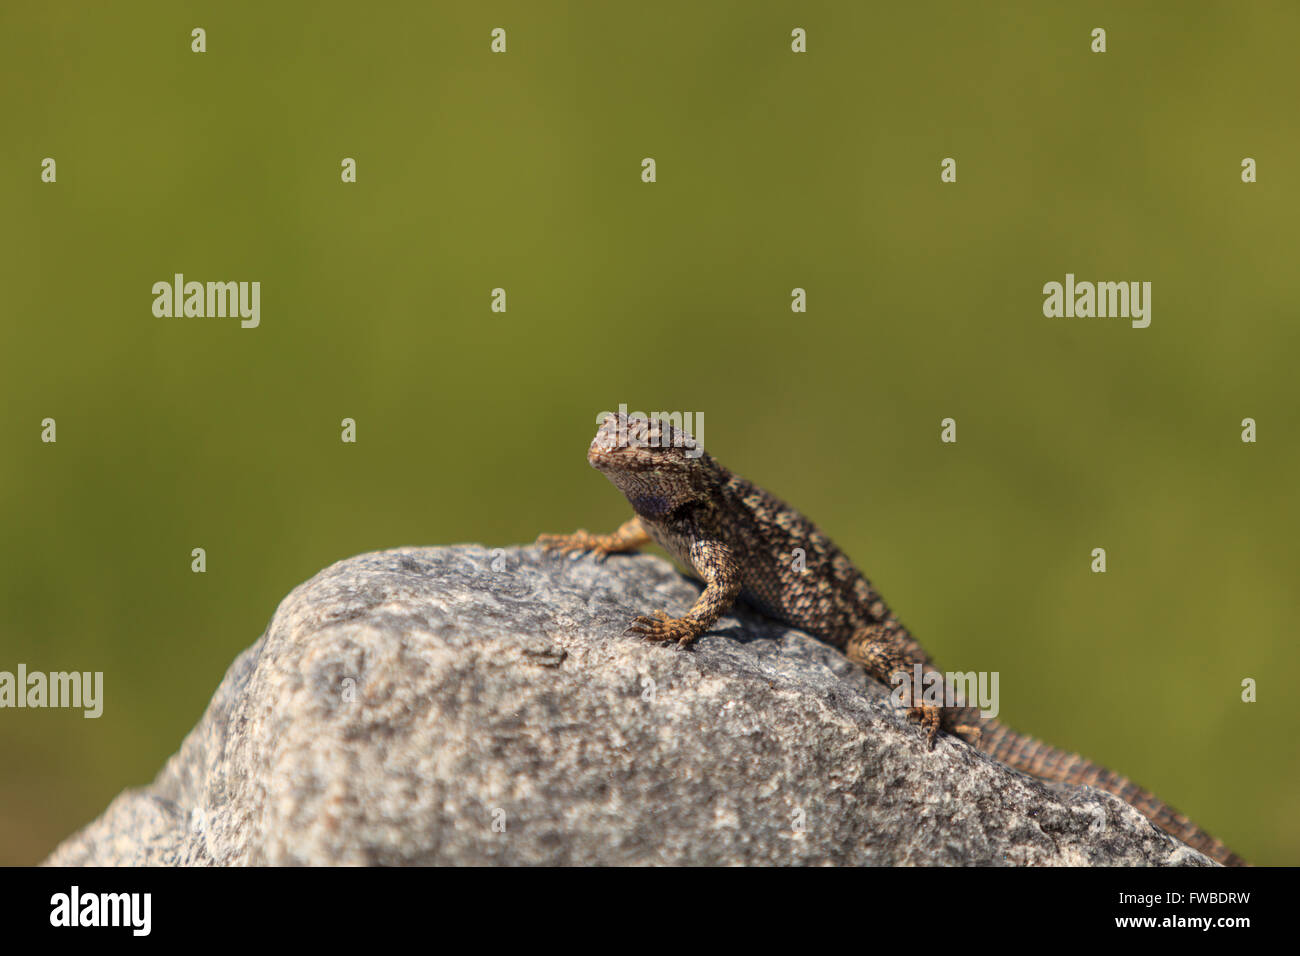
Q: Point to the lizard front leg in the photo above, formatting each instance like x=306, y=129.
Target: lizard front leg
x=888, y=656
x=715, y=563
x=630, y=536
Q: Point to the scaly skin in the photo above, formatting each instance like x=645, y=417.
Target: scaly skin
x=745, y=543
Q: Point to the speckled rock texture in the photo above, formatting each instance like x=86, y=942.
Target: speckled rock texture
x=460, y=705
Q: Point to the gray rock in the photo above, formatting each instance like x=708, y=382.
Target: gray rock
x=465, y=706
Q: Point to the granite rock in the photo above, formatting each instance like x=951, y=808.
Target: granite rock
x=460, y=705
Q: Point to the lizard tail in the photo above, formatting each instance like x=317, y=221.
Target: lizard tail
x=1042, y=760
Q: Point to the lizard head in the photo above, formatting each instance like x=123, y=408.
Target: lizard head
x=657, y=467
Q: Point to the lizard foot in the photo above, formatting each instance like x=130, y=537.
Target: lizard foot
x=578, y=543
x=661, y=627
x=934, y=718
x=931, y=718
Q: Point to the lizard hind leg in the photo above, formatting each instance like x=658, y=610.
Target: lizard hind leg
x=890, y=658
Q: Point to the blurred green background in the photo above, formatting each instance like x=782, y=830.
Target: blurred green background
x=775, y=171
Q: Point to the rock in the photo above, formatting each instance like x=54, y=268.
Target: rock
x=465, y=706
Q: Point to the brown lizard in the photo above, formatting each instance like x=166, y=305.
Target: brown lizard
x=744, y=543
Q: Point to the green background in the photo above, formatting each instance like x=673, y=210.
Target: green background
x=775, y=171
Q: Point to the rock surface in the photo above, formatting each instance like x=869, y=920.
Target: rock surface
x=464, y=706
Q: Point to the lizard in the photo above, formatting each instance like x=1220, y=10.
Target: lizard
x=742, y=541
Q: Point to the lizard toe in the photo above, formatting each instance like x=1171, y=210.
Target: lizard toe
x=660, y=627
